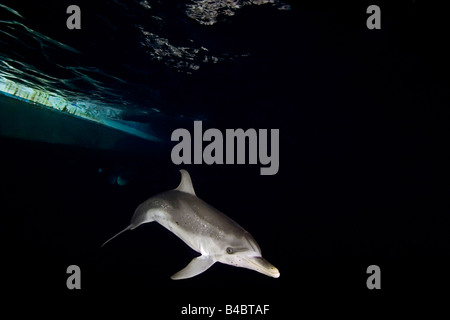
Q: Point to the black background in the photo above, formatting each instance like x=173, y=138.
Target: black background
x=364, y=136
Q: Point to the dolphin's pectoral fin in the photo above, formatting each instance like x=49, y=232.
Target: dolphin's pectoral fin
x=195, y=267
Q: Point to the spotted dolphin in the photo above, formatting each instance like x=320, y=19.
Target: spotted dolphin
x=203, y=228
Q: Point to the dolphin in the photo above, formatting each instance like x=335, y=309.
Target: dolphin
x=203, y=228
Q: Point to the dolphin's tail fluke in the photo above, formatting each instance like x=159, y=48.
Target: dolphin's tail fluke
x=126, y=229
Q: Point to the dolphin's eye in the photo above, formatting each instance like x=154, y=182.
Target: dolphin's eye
x=230, y=250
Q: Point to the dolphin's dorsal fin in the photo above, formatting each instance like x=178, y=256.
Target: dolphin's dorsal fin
x=186, y=183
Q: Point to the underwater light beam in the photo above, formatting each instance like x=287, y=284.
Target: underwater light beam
x=78, y=109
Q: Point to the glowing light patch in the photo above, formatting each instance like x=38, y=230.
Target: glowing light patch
x=84, y=110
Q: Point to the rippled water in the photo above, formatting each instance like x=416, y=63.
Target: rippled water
x=145, y=65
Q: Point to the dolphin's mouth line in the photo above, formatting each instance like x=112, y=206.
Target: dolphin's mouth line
x=271, y=270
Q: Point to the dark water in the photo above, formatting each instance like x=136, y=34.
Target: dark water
x=363, y=119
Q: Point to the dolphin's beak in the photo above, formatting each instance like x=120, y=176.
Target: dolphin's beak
x=262, y=265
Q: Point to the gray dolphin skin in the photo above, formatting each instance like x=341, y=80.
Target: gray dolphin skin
x=203, y=228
